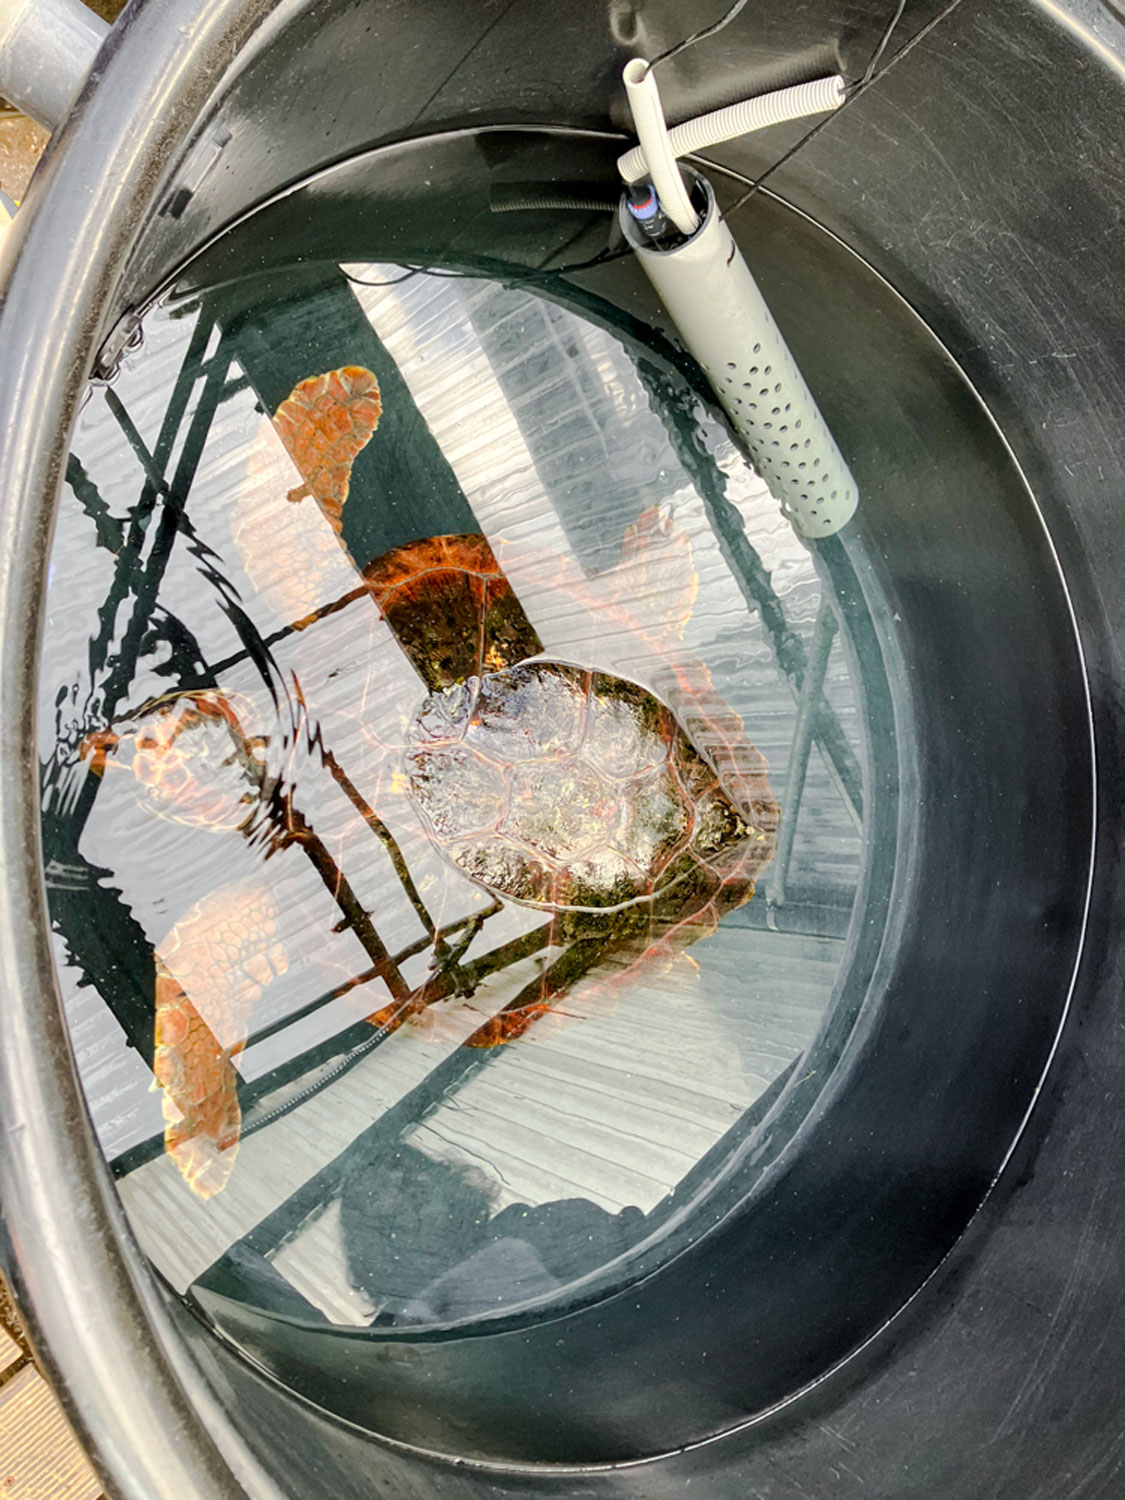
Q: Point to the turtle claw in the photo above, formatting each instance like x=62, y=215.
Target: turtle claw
x=205, y=1165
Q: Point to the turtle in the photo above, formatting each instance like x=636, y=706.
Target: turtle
x=552, y=784
x=547, y=783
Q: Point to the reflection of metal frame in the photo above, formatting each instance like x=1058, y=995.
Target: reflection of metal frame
x=141, y=579
x=138, y=576
x=73, y=885
x=808, y=721
x=676, y=407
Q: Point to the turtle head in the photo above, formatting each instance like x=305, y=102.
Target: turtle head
x=451, y=609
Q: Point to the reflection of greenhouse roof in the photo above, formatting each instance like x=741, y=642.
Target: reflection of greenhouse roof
x=537, y=427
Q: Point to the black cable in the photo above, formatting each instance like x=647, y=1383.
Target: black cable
x=392, y=281
x=604, y=257
x=868, y=80
x=888, y=32
x=697, y=36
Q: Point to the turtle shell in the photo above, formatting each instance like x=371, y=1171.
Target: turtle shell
x=569, y=789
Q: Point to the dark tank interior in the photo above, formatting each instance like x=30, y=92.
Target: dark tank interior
x=529, y=1106
x=461, y=1066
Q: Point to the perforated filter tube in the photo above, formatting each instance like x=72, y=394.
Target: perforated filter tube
x=724, y=322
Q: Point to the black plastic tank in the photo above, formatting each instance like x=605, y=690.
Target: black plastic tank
x=819, y=1197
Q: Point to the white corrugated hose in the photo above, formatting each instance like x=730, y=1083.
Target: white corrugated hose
x=796, y=103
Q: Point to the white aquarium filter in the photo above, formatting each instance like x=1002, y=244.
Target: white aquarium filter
x=701, y=276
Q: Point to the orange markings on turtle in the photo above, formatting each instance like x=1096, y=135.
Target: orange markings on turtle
x=96, y=748
x=508, y=1025
x=434, y=554
x=202, y=1117
x=422, y=587
x=424, y=1022
x=325, y=423
x=210, y=971
x=390, y=1017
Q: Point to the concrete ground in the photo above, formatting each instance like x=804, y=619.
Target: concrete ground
x=21, y=145
x=39, y=1457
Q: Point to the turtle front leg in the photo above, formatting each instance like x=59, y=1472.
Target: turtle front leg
x=198, y=1086
x=211, y=968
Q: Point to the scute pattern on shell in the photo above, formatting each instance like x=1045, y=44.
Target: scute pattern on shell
x=325, y=423
x=451, y=608
x=568, y=789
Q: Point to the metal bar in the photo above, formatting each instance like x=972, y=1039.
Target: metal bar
x=383, y=834
x=109, y=530
x=130, y=563
x=812, y=689
x=153, y=474
x=268, y=641
x=301, y=832
x=312, y=1006
x=675, y=405
x=167, y=530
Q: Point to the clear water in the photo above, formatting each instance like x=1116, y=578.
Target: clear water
x=345, y=1122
